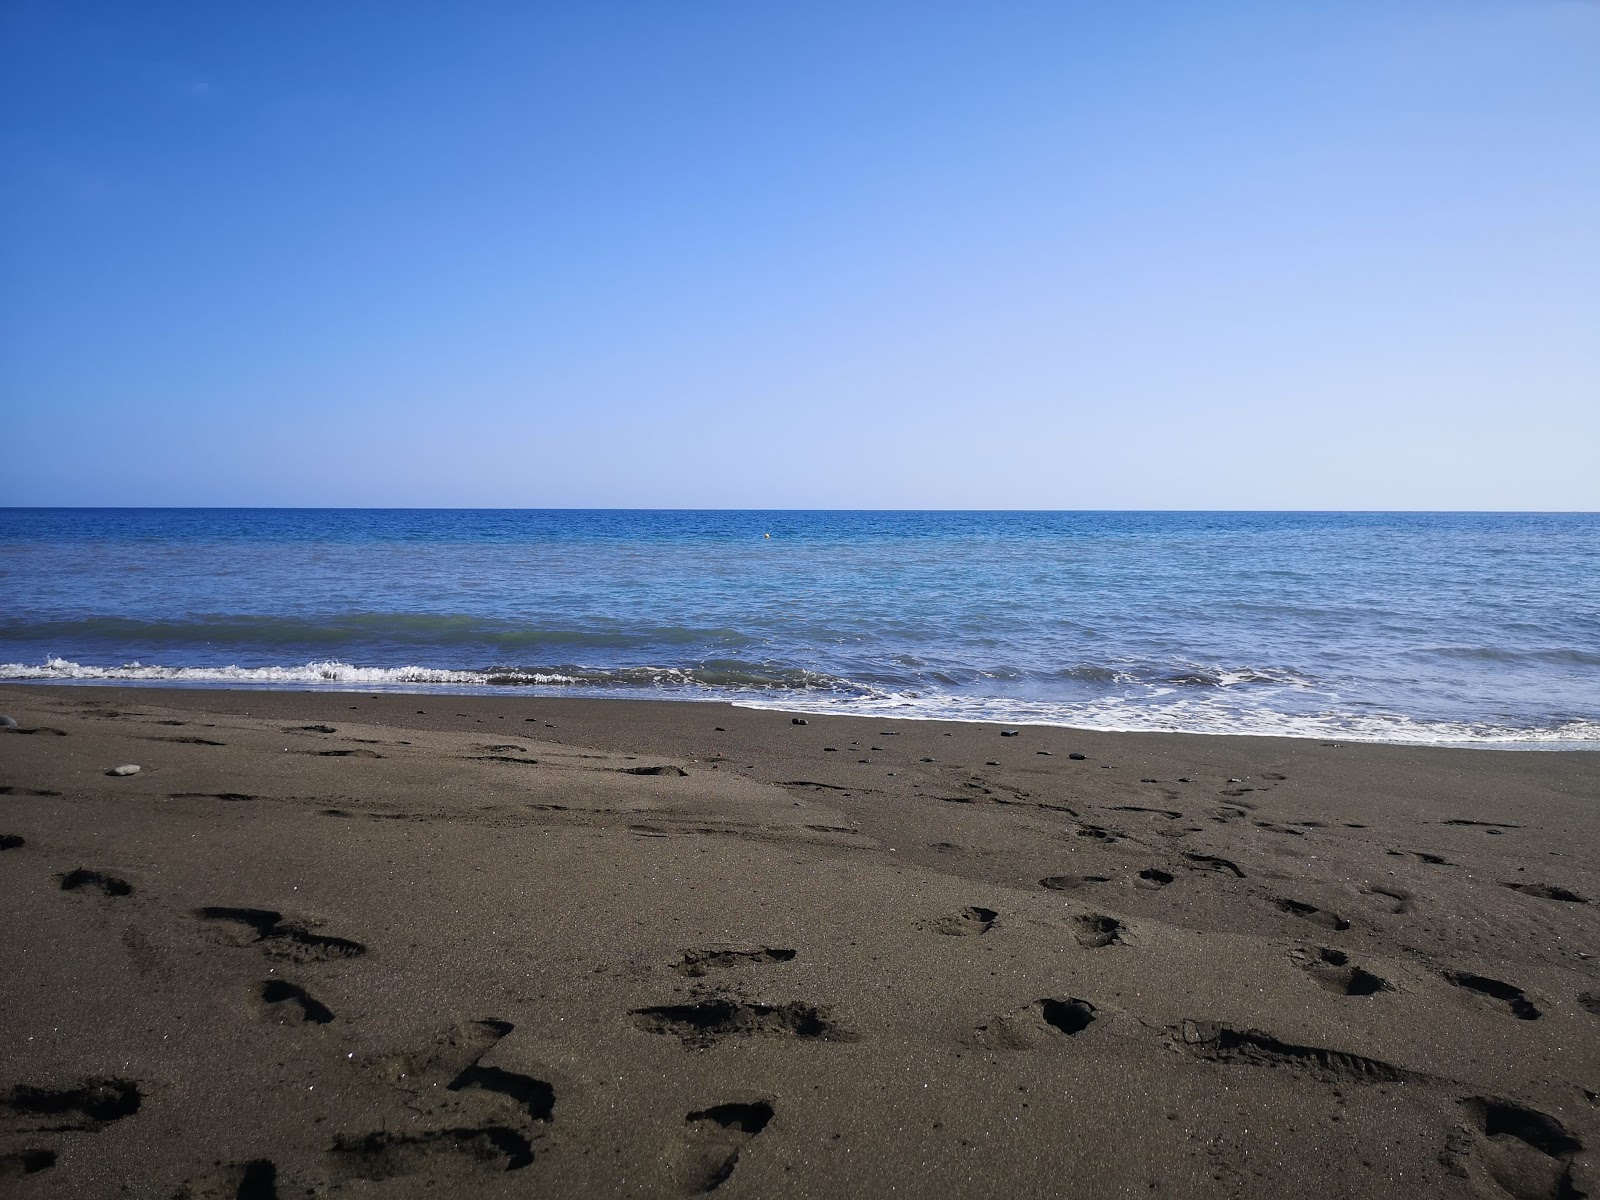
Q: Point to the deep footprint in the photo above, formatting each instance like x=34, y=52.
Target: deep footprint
x=1094, y=930
x=716, y=1137
x=696, y=963
x=1310, y=912
x=706, y=1022
x=1071, y=1016
x=1527, y=1153
x=289, y=1003
x=968, y=922
x=1067, y=883
x=441, y=1152
x=1514, y=999
x=536, y=1097
x=26, y=1162
x=1210, y=862
x=1332, y=970
x=74, y=881
x=1545, y=891
x=1251, y=1047
x=283, y=939
x=92, y=1105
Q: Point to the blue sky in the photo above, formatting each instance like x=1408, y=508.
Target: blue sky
x=944, y=255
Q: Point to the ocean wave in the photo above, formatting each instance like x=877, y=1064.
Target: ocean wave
x=1153, y=709
x=1158, y=713
x=720, y=674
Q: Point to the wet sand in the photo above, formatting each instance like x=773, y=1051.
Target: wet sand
x=344, y=945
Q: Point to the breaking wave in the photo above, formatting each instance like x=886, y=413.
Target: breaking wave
x=1177, y=707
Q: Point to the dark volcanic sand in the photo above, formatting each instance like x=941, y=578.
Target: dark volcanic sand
x=492, y=948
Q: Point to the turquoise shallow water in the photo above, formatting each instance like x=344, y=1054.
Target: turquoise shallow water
x=1449, y=628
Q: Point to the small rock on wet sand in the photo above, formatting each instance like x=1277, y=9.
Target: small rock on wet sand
x=124, y=769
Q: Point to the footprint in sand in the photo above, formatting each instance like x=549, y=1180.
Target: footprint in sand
x=1038, y=1025
x=1067, y=883
x=440, y=1154
x=968, y=922
x=253, y=1180
x=703, y=1023
x=277, y=937
x=25, y=1162
x=1310, y=912
x=1526, y=1152
x=1095, y=930
x=1332, y=970
x=91, y=1105
x=714, y=1139
x=1546, y=891
x=697, y=963
x=1515, y=1000
x=1391, y=899
x=286, y=1003
x=85, y=880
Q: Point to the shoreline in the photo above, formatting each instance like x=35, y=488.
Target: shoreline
x=532, y=945
x=577, y=695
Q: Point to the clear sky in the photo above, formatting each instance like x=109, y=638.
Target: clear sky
x=928, y=254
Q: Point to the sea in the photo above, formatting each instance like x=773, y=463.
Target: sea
x=1477, y=629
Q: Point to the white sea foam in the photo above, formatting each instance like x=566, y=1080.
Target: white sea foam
x=1158, y=709
x=1156, y=714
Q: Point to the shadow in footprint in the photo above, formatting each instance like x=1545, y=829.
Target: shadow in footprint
x=82, y=878
x=1395, y=900
x=1152, y=878
x=696, y=963
x=1545, y=891
x=289, y=1003
x=1071, y=1016
x=1210, y=862
x=1513, y=997
x=1331, y=970
x=92, y=1105
x=705, y=1022
x=279, y=938
x=1067, y=883
x=966, y=923
x=536, y=1097
x=716, y=1137
x=10, y=841
x=1310, y=912
x=25, y=1162
x=1093, y=930
x=1526, y=1152
x=437, y=1153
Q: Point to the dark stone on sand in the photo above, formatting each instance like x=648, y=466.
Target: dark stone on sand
x=1046, y=753
x=798, y=721
x=1009, y=732
x=1077, y=757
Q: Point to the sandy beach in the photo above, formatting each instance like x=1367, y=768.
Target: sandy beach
x=402, y=945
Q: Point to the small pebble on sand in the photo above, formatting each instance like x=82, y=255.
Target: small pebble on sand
x=124, y=769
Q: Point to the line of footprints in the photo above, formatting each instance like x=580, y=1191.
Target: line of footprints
x=714, y=1137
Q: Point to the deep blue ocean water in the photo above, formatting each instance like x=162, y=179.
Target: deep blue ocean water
x=1448, y=628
